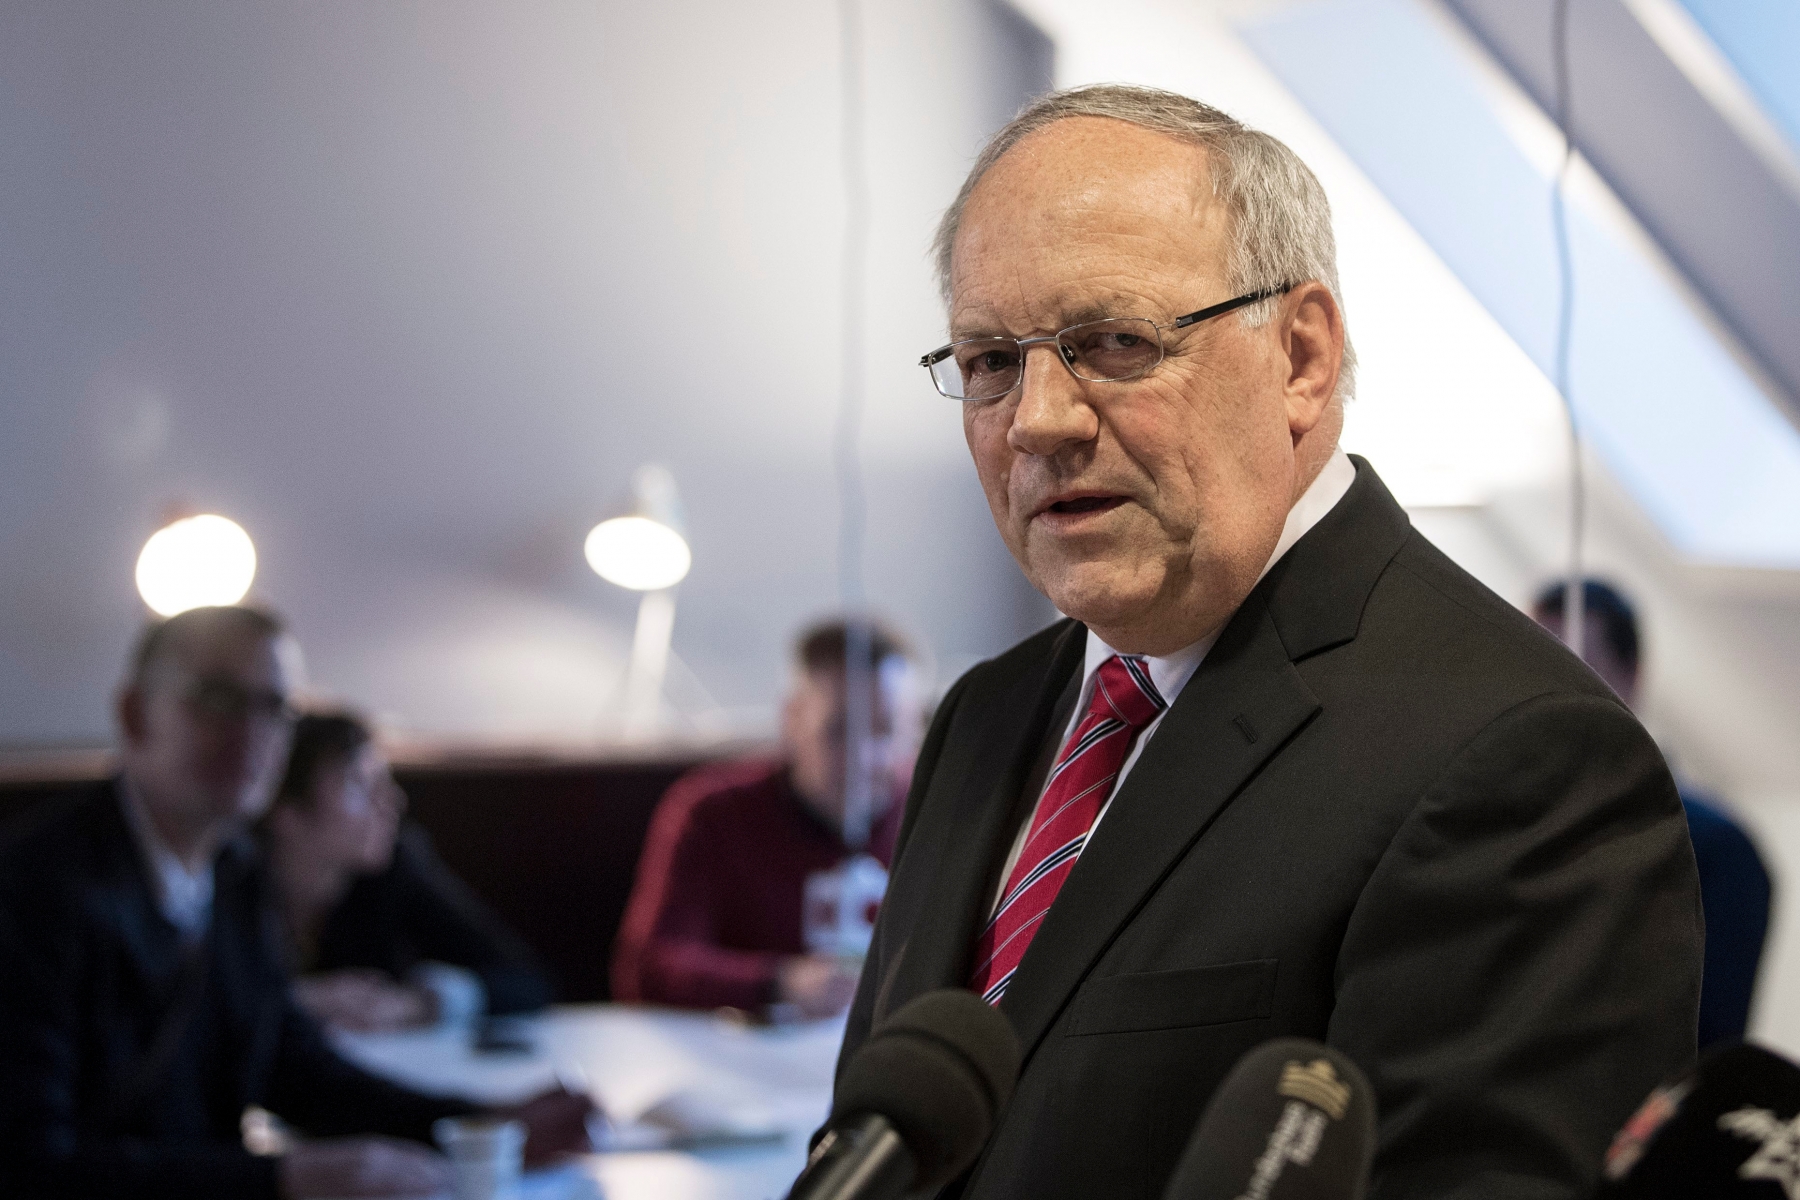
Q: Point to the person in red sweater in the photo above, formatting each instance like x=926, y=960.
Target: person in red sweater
x=747, y=895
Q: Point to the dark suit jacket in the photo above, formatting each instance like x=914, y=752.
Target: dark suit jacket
x=418, y=911
x=1735, y=892
x=1387, y=812
x=90, y=968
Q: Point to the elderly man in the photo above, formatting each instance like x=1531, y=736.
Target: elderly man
x=1286, y=770
x=143, y=999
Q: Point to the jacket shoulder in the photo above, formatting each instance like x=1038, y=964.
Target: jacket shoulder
x=65, y=871
x=60, y=839
x=719, y=790
x=1456, y=627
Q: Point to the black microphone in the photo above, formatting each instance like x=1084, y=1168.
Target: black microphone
x=1295, y=1120
x=916, y=1102
x=1730, y=1127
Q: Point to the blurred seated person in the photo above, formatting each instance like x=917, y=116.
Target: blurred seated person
x=382, y=934
x=1734, y=885
x=144, y=1002
x=718, y=912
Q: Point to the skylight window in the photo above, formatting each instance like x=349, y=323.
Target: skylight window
x=1762, y=40
x=1662, y=399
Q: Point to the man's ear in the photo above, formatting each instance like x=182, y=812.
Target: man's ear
x=128, y=710
x=790, y=715
x=1313, y=338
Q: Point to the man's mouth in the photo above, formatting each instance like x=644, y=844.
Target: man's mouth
x=1076, y=506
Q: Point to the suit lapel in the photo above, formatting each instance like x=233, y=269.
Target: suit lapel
x=1240, y=708
x=251, y=1000
x=152, y=945
x=983, y=818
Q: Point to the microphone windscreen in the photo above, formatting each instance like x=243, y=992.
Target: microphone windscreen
x=1731, y=1127
x=940, y=1070
x=1295, y=1120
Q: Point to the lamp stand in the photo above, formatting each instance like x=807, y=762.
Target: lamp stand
x=649, y=663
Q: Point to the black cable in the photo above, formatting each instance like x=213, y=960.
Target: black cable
x=852, y=501
x=1575, y=593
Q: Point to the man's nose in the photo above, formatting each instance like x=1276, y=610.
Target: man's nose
x=1053, y=409
x=390, y=799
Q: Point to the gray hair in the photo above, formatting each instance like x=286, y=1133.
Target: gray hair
x=1280, y=219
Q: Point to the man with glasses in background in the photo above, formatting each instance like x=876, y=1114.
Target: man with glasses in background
x=143, y=1000
x=1285, y=770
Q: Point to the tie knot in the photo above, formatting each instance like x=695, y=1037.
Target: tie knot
x=1122, y=689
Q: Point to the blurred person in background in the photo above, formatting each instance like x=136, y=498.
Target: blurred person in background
x=144, y=1000
x=745, y=871
x=382, y=934
x=1734, y=884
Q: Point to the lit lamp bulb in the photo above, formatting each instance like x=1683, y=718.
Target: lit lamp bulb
x=638, y=553
x=194, y=562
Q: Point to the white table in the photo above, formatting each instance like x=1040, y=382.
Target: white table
x=632, y=1058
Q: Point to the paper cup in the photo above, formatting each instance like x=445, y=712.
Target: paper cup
x=485, y=1156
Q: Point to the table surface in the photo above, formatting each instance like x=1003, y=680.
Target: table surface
x=630, y=1059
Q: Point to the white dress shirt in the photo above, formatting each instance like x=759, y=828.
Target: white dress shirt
x=1171, y=672
x=184, y=897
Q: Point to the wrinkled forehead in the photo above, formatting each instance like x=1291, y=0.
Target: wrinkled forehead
x=1084, y=215
x=232, y=652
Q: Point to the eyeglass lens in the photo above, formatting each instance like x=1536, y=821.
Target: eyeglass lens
x=1099, y=351
x=226, y=700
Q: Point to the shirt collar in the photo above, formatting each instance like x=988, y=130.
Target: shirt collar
x=184, y=897
x=1170, y=672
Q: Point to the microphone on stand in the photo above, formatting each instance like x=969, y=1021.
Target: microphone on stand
x=1295, y=1120
x=1730, y=1127
x=916, y=1102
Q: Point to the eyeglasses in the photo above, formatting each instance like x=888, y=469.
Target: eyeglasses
x=1109, y=351
x=220, y=700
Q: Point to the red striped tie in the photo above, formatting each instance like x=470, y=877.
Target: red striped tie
x=1124, y=702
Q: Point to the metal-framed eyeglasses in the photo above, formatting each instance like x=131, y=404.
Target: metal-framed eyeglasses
x=1108, y=351
x=222, y=701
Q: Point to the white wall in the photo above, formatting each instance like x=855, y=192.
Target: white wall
x=408, y=289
